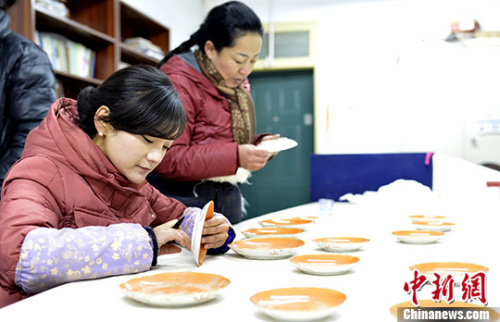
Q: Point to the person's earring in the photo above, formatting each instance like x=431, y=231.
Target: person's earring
x=100, y=134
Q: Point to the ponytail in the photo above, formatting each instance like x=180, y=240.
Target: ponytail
x=222, y=26
x=182, y=48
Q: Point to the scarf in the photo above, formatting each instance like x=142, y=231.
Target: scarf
x=239, y=99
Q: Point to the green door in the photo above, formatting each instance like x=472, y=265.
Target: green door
x=284, y=105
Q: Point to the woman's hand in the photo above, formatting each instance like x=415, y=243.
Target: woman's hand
x=165, y=233
x=251, y=157
x=271, y=137
x=215, y=232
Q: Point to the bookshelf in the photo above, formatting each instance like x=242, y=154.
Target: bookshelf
x=100, y=25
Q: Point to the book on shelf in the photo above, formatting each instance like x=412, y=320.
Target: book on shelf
x=54, y=6
x=145, y=46
x=66, y=55
x=151, y=53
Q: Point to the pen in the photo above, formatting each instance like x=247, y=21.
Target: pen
x=179, y=222
x=176, y=226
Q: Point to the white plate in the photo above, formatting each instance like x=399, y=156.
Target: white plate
x=175, y=288
x=267, y=247
x=418, y=236
x=324, y=264
x=199, y=253
x=341, y=244
x=428, y=218
x=298, y=303
x=272, y=232
x=276, y=145
x=299, y=223
x=433, y=225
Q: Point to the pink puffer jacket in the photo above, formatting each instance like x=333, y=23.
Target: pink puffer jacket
x=64, y=180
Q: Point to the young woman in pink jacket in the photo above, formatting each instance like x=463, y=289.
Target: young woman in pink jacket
x=77, y=206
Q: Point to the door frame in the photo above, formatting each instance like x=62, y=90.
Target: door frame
x=268, y=64
x=276, y=76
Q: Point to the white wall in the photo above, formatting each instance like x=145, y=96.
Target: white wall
x=182, y=17
x=390, y=81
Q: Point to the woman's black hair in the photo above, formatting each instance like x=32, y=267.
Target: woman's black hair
x=141, y=100
x=222, y=26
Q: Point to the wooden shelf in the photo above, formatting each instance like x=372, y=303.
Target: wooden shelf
x=49, y=22
x=132, y=56
x=136, y=24
x=72, y=85
x=102, y=26
x=88, y=81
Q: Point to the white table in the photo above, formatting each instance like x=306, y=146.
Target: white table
x=372, y=287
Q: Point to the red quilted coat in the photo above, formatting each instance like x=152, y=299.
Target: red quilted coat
x=206, y=148
x=64, y=180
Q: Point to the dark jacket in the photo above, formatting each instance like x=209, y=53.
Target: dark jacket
x=26, y=91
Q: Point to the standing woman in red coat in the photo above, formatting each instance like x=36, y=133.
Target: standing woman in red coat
x=217, y=150
x=76, y=206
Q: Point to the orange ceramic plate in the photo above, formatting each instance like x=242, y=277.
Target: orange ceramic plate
x=433, y=225
x=199, y=252
x=298, y=303
x=448, y=268
x=267, y=247
x=455, y=269
x=324, y=264
x=174, y=289
x=418, y=236
x=313, y=218
x=286, y=222
x=494, y=315
x=427, y=218
x=341, y=244
x=272, y=232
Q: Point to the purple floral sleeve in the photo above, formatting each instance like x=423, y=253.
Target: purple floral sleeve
x=50, y=257
x=190, y=215
x=188, y=223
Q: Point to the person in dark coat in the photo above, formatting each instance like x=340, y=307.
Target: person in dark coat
x=26, y=89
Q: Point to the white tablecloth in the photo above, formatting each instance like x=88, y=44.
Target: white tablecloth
x=372, y=286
